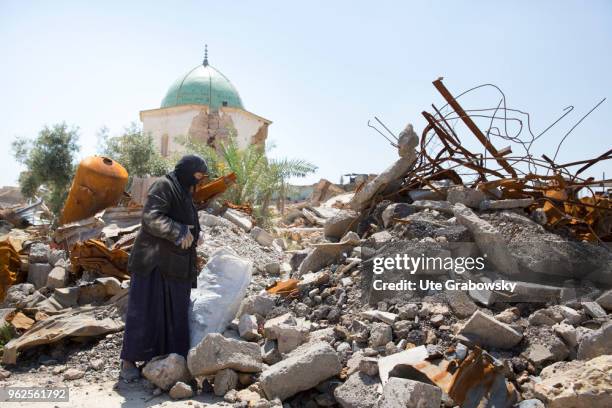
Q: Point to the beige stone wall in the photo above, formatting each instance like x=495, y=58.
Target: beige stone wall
x=197, y=122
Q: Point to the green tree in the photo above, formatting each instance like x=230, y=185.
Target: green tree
x=50, y=163
x=133, y=150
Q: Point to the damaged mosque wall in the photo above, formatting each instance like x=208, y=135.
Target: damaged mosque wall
x=202, y=105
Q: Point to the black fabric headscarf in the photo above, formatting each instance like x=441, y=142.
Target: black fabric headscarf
x=187, y=167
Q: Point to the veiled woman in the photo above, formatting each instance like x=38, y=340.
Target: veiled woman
x=163, y=270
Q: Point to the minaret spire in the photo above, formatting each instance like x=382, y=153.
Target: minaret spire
x=205, y=63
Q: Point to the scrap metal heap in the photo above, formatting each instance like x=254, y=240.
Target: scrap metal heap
x=561, y=197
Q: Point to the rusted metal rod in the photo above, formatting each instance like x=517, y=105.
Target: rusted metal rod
x=472, y=126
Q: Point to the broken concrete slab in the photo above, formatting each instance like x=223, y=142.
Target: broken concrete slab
x=484, y=330
x=380, y=335
x=407, y=141
x=38, y=274
x=112, y=286
x=362, y=198
x=488, y=238
x=165, y=371
x=304, y=368
x=544, y=354
x=57, y=278
x=260, y=304
x=461, y=303
x=567, y=333
x=506, y=204
x=270, y=353
x=401, y=392
x=358, y=391
x=262, y=236
x=524, y=292
x=406, y=357
x=605, y=300
x=596, y=343
x=180, y=390
x=225, y=380
x=396, y=211
x=239, y=219
x=247, y=327
x=469, y=197
x=594, y=310
x=209, y=220
x=326, y=254
x=385, y=317
x=216, y=352
x=39, y=253
x=584, y=384
x=288, y=331
x=339, y=224
x=442, y=206
x=547, y=254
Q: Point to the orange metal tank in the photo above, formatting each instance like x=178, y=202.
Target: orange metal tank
x=99, y=183
x=218, y=186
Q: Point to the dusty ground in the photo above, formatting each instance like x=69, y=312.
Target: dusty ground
x=114, y=394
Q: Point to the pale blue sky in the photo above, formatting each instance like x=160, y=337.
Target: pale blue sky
x=318, y=69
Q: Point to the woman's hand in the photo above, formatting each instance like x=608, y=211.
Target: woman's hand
x=187, y=241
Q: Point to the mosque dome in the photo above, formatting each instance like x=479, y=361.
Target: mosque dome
x=203, y=85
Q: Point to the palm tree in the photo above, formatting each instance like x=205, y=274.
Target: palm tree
x=258, y=179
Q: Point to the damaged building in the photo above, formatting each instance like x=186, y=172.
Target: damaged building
x=202, y=105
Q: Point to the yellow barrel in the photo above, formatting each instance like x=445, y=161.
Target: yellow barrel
x=99, y=183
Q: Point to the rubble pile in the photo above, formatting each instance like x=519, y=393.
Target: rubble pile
x=333, y=317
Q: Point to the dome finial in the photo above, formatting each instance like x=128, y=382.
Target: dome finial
x=205, y=55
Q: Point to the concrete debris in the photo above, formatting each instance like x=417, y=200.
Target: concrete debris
x=488, y=238
x=486, y=331
x=302, y=369
x=262, y=236
x=380, y=335
x=225, y=380
x=239, y=219
x=594, y=310
x=39, y=253
x=359, y=391
x=260, y=304
x=38, y=273
x=576, y=383
x=362, y=198
x=368, y=366
x=57, y=278
x=73, y=374
x=400, y=392
x=77, y=322
x=165, y=372
x=396, y=211
x=247, y=327
x=505, y=204
x=216, y=352
x=180, y=390
x=467, y=196
x=385, y=317
x=596, y=343
x=406, y=357
x=605, y=300
x=288, y=331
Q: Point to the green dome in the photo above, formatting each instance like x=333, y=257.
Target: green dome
x=203, y=85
